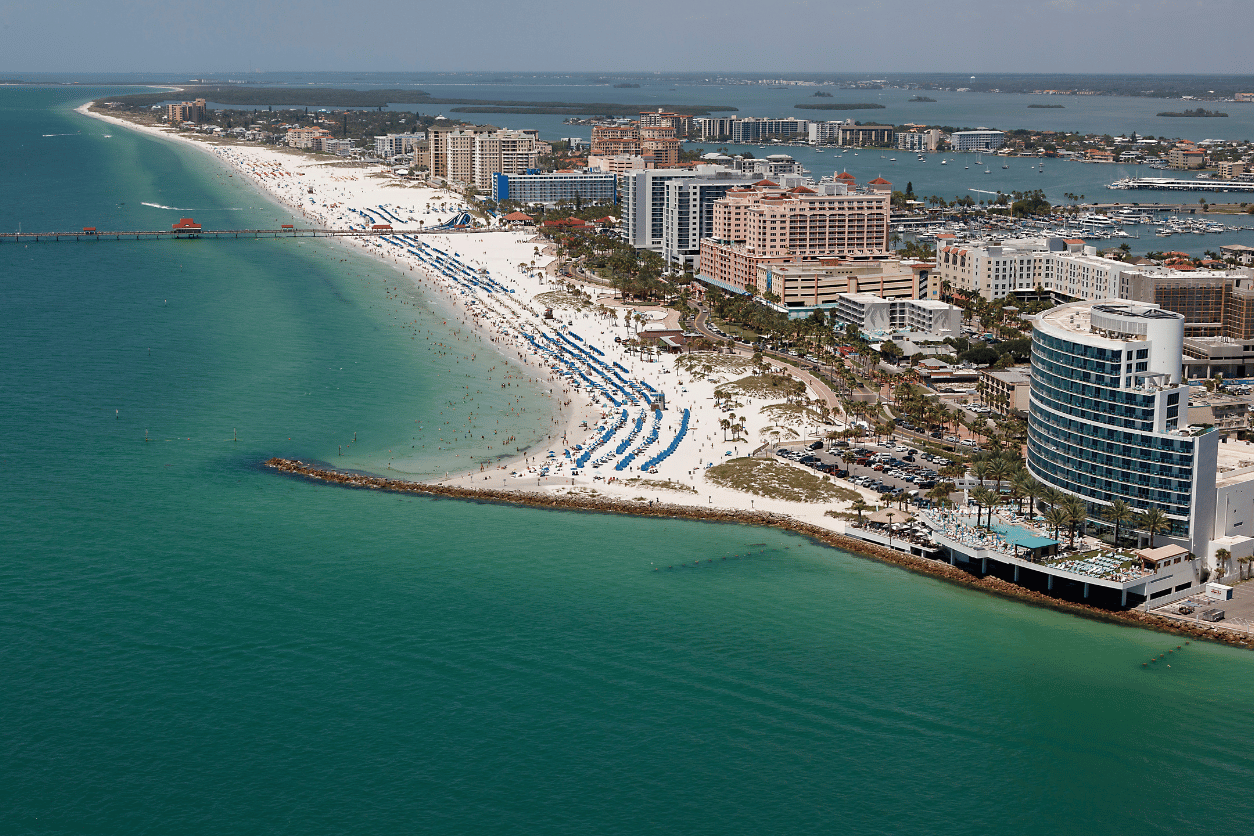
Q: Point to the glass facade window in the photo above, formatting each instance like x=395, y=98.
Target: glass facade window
x=1090, y=436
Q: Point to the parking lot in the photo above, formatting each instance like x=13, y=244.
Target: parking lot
x=1238, y=611
x=889, y=467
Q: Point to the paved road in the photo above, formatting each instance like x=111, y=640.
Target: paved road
x=824, y=391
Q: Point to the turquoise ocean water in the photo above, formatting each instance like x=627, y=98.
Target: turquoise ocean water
x=191, y=644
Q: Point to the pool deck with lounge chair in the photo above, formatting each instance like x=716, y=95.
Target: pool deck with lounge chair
x=1012, y=548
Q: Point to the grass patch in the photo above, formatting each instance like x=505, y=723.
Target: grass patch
x=659, y=484
x=562, y=299
x=776, y=480
x=792, y=413
x=709, y=363
x=767, y=386
x=841, y=515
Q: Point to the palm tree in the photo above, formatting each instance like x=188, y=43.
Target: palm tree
x=1076, y=516
x=1056, y=517
x=890, y=516
x=1153, y=521
x=859, y=506
x=1050, y=496
x=940, y=493
x=999, y=469
x=979, y=470
x=1118, y=512
x=724, y=423
x=1022, y=485
x=983, y=498
x=1221, y=562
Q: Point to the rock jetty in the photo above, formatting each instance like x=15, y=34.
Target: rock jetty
x=603, y=505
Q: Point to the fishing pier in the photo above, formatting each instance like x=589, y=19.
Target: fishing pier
x=92, y=234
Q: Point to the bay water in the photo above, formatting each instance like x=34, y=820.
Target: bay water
x=192, y=644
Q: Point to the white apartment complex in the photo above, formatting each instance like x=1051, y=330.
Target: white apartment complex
x=394, y=145
x=688, y=210
x=928, y=140
x=976, y=140
x=1065, y=266
x=473, y=154
x=876, y=315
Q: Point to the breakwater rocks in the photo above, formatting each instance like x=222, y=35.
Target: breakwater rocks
x=606, y=505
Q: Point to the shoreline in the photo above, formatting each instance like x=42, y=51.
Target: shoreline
x=510, y=323
x=326, y=189
x=566, y=417
x=860, y=548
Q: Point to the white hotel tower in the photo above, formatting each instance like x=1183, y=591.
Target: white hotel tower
x=1108, y=416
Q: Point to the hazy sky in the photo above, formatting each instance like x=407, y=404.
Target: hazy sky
x=1149, y=36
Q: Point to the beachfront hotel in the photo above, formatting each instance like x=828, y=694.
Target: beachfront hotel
x=472, y=154
x=550, y=188
x=179, y=112
x=767, y=224
x=1108, y=420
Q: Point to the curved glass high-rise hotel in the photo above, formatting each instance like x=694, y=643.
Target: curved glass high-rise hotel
x=1108, y=415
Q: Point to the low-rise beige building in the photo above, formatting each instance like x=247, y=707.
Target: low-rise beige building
x=1227, y=169
x=1228, y=414
x=1186, y=158
x=819, y=283
x=1006, y=390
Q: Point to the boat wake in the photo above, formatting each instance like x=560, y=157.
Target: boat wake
x=76, y=133
x=177, y=209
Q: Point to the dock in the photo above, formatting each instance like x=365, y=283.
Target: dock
x=1168, y=184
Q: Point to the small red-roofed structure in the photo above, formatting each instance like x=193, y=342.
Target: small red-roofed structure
x=186, y=226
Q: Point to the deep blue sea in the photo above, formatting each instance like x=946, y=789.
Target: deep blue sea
x=190, y=644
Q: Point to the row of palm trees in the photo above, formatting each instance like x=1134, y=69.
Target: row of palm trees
x=1062, y=511
x=913, y=402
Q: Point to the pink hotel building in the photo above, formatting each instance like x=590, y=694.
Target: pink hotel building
x=765, y=224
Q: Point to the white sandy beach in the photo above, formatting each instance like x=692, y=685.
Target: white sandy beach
x=492, y=279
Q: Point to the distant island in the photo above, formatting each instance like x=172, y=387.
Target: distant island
x=840, y=106
x=626, y=85
x=332, y=97
x=1053, y=107
x=922, y=99
x=819, y=94
x=1200, y=113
